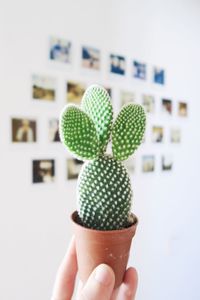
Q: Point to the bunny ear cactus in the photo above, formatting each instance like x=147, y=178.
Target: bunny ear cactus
x=104, y=189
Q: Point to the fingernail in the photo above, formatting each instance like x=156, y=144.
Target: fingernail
x=103, y=275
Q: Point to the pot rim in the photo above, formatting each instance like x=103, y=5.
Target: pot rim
x=74, y=216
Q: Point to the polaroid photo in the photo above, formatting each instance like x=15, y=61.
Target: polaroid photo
x=90, y=58
x=54, y=130
x=139, y=70
x=43, y=171
x=148, y=102
x=117, y=64
x=167, y=162
x=148, y=163
x=75, y=91
x=43, y=88
x=126, y=97
x=157, y=134
x=182, y=109
x=158, y=75
x=175, y=135
x=166, y=107
x=73, y=168
x=23, y=130
x=60, y=50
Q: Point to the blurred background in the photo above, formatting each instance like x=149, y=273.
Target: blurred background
x=142, y=51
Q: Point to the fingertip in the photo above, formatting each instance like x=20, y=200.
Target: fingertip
x=130, y=283
x=100, y=284
x=104, y=275
x=131, y=275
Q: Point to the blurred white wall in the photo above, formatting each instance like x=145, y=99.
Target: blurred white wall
x=34, y=224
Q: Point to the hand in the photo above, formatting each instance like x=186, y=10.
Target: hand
x=99, y=285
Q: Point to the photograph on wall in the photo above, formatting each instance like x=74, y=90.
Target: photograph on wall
x=148, y=102
x=54, y=130
x=73, y=168
x=91, y=58
x=75, y=91
x=60, y=50
x=167, y=162
x=175, y=135
x=157, y=134
x=126, y=97
x=43, y=88
x=148, y=163
x=43, y=171
x=158, y=75
x=117, y=64
x=23, y=130
x=139, y=70
x=182, y=109
x=166, y=107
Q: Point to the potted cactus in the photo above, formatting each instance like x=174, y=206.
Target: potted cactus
x=103, y=223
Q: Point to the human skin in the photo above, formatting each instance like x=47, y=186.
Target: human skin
x=99, y=286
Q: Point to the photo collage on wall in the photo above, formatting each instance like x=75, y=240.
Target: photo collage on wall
x=44, y=89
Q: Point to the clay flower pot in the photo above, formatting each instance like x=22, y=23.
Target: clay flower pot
x=94, y=247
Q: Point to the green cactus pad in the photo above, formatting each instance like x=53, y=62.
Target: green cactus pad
x=104, y=194
x=96, y=103
x=128, y=131
x=78, y=133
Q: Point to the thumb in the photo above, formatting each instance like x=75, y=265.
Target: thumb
x=100, y=284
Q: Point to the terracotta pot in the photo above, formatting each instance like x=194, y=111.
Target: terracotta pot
x=94, y=247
